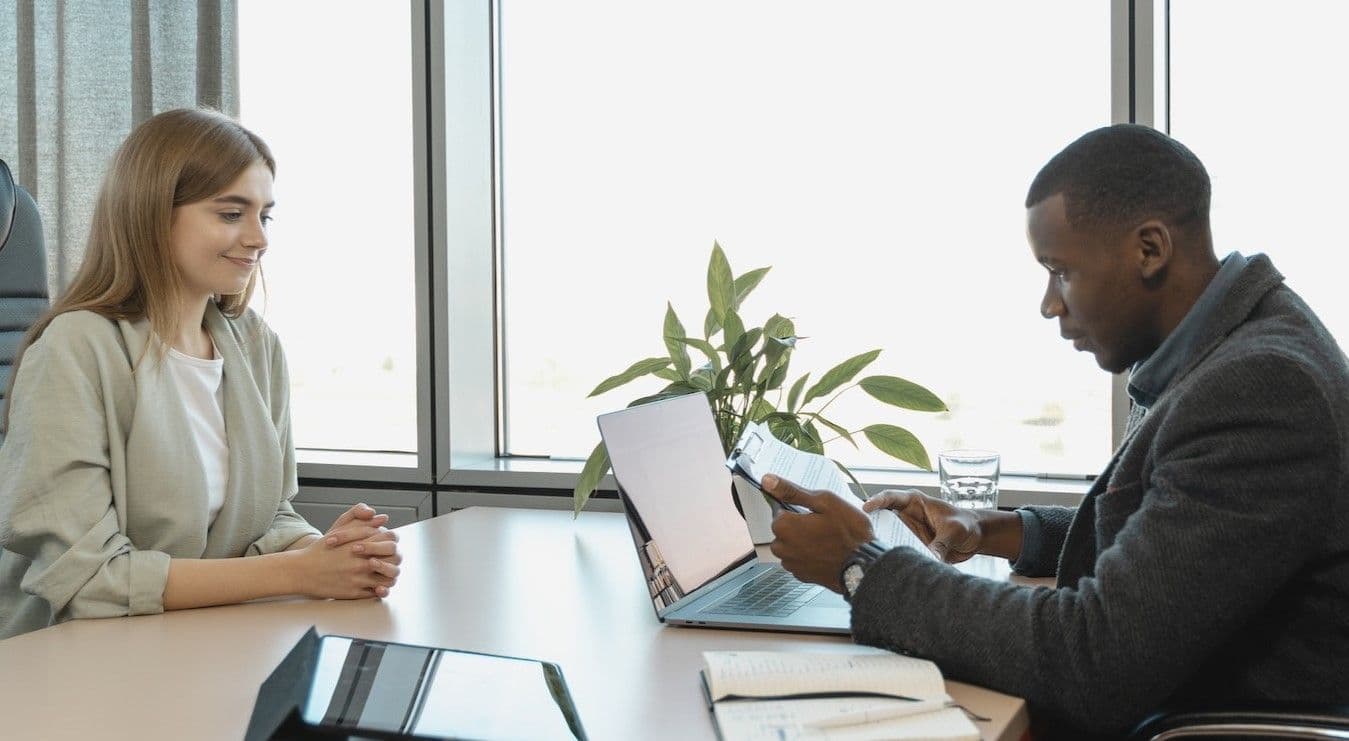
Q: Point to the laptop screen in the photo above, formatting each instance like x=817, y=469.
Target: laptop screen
x=668, y=461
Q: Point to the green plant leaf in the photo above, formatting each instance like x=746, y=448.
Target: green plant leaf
x=904, y=394
x=674, y=331
x=785, y=427
x=839, y=430
x=795, y=393
x=840, y=374
x=781, y=338
x=701, y=380
x=779, y=326
x=706, y=348
x=744, y=345
x=667, y=374
x=761, y=409
x=732, y=329
x=596, y=466
x=812, y=441
x=898, y=442
x=660, y=397
x=746, y=283
x=720, y=286
x=778, y=376
x=723, y=382
x=710, y=325
x=680, y=388
x=743, y=359
x=861, y=491
x=634, y=371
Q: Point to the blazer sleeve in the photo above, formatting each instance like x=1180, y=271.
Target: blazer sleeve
x=287, y=524
x=1043, y=531
x=56, y=489
x=1240, y=474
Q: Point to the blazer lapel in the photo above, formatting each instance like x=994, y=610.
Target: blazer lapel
x=255, y=450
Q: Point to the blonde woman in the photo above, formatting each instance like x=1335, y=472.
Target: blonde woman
x=149, y=463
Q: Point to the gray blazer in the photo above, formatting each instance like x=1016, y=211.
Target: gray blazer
x=1209, y=562
x=100, y=484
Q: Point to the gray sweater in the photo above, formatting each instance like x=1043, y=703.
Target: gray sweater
x=1208, y=563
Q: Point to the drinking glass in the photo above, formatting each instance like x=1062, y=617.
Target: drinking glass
x=969, y=478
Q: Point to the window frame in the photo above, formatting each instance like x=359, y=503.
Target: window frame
x=461, y=364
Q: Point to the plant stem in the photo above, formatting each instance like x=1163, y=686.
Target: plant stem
x=831, y=400
x=839, y=437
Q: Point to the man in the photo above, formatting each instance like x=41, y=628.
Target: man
x=1209, y=562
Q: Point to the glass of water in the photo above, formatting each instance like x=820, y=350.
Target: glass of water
x=969, y=478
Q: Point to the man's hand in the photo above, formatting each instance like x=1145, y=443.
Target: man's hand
x=953, y=534
x=814, y=546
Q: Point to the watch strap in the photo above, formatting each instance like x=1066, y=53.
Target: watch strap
x=865, y=555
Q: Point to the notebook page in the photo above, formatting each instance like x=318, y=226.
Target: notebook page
x=766, y=673
x=789, y=720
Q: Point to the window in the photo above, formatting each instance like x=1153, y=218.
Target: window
x=1268, y=125
x=335, y=105
x=875, y=154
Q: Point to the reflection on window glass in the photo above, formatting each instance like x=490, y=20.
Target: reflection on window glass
x=339, y=268
x=875, y=154
x=1268, y=124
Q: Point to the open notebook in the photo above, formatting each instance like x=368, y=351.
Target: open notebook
x=854, y=695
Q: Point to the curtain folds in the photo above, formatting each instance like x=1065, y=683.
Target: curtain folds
x=77, y=75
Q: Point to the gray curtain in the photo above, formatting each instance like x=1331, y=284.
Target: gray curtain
x=77, y=75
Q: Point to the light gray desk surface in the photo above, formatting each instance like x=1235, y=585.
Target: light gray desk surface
x=527, y=583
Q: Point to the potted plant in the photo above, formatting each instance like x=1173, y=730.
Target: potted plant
x=744, y=374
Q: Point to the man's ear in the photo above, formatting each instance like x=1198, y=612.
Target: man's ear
x=1154, y=248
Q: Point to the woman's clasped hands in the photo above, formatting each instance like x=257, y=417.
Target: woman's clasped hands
x=358, y=557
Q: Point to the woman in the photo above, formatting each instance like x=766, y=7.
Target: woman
x=149, y=463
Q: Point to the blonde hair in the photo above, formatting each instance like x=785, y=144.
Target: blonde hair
x=175, y=158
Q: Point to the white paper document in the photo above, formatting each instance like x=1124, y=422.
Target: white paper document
x=758, y=453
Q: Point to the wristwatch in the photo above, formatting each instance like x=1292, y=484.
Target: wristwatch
x=856, y=567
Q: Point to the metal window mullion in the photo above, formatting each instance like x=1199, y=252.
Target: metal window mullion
x=502, y=367
x=425, y=56
x=461, y=94
x=1122, y=103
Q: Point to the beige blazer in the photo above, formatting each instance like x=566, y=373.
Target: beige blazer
x=100, y=484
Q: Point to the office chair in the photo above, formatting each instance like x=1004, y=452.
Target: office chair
x=23, y=273
x=1252, y=721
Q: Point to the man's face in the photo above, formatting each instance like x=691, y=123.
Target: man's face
x=1095, y=288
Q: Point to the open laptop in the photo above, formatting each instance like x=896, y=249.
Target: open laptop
x=695, y=550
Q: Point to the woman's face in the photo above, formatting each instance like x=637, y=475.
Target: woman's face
x=217, y=242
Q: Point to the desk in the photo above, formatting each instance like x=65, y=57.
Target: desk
x=527, y=583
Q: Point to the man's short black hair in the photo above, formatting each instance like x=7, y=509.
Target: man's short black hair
x=1119, y=176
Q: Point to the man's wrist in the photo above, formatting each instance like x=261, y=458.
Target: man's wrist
x=1001, y=534
x=857, y=564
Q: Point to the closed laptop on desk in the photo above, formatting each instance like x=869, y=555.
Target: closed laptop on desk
x=696, y=554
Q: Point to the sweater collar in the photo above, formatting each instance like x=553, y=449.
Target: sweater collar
x=1228, y=300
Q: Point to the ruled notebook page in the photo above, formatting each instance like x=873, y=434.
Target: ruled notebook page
x=770, y=673
x=792, y=720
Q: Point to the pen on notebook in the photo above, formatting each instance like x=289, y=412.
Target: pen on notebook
x=1066, y=476
x=887, y=712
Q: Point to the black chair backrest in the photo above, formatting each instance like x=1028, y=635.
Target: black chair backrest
x=23, y=273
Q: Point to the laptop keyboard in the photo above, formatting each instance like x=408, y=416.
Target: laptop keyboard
x=775, y=593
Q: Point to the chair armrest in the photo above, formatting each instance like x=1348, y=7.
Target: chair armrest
x=1254, y=720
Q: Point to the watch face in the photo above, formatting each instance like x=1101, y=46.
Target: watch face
x=852, y=578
